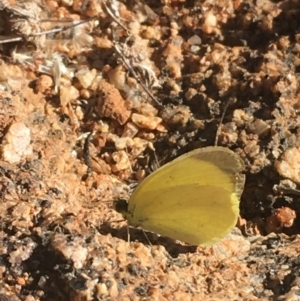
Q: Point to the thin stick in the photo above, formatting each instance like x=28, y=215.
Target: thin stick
x=147, y=238
x=128, y=66
x=86, y=152
x=128, y=234
x=10, y=40
x=114, y=17
x=55, y=30
x=286, y=190
x=4, y=40
x=221, y=121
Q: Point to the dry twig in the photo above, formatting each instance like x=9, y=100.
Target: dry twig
x=136, y=76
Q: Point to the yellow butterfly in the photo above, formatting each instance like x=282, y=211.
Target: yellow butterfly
x=194, y=198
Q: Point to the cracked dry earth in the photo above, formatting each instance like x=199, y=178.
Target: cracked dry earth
x=150, y=80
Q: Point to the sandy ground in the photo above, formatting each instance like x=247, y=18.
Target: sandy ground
x=90, y=108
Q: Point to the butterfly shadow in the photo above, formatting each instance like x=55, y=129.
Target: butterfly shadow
x=130, y=234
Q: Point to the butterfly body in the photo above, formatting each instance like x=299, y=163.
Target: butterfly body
x=194, y=198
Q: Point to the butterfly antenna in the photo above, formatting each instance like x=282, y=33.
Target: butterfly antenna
x=229, y=101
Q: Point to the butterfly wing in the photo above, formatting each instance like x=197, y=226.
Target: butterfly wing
x=194, y=198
